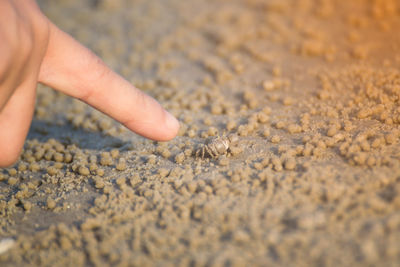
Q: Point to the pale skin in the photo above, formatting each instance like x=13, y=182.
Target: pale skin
x=33, y=50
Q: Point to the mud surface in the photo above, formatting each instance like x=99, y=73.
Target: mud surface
x=310, y=87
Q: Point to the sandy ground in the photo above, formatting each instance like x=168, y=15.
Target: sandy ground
x=310, y=87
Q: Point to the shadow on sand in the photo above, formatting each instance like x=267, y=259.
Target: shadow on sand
x=67, y=134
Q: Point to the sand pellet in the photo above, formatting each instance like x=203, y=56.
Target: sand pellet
x=51, y=204
x=82, y=170
x=121, y=165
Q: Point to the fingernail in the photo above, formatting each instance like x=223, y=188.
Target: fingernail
x=171, y=122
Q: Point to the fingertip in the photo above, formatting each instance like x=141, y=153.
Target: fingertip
x=172, y=125
x=8, y=159
x=146, y=117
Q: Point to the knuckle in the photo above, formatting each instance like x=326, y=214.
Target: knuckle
x=26, y=42
x=142, y=99
x=5, y=60
x=98, y=71
x=93, y=65
x=8, y=51
x=18, y=45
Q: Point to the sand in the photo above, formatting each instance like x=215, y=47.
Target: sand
x=312, y=89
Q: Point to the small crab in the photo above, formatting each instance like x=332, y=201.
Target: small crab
x=217, y=146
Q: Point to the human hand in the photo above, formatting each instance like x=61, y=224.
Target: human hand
x=33, y=50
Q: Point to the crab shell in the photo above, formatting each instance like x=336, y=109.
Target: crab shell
x=219, y=146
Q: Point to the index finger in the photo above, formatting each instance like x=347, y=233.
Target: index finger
x=74, y=70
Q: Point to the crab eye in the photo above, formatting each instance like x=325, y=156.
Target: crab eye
x=233, y=138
